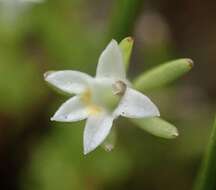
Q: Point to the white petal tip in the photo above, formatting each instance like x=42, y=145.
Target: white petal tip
x=86, y=151
x=46, y=74
x=113, y=40
x=59, y=118
x=156, y=111
x=52, y=119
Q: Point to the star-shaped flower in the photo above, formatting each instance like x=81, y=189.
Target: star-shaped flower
x=100, y=99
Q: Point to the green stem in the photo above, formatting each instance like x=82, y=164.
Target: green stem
x=123, y=16
x=207, y=177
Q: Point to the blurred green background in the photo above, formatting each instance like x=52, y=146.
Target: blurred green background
x=36, y=154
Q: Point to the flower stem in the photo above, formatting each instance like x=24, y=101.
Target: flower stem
x=206, y=179
x=124, y=14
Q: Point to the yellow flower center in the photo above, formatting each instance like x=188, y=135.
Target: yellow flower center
x=103, y=97
x=93, y=109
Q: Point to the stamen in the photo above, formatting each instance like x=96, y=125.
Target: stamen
x=119, y=88
x=94, y=110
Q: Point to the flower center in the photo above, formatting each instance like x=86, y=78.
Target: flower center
x=86, y=97
x=103, y=96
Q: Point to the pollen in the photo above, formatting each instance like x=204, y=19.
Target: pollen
x=86, y=97
x=94, y=110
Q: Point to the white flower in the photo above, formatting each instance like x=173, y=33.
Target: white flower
x=101, y=99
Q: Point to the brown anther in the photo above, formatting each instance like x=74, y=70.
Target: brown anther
x=119, y=88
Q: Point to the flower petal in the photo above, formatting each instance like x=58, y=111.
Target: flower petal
x=68, y=81
x=96, y=130
x=71, y=110
x=136, y=105
x=111, y=62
